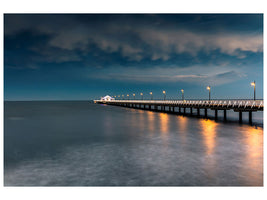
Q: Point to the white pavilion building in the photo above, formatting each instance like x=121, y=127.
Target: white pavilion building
x=107, y=98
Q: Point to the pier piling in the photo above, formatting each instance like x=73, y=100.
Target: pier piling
x=236, y=105
x=240, y=117
x=250, y=117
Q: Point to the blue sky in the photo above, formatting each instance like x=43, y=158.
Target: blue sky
x=81, y=57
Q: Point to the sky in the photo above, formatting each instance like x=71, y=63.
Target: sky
x=86, y=56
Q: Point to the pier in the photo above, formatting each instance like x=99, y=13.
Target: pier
x=240, y=106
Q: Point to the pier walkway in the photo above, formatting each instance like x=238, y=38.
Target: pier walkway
x=240, y=106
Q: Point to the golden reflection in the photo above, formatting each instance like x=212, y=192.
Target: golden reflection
x=164, y=123
x=141, y=121
x=140, y=111
x=209, y=133
x=164, y=126
x=182, y=124
x=254, y=154
x=137, y=120
x=151, y=122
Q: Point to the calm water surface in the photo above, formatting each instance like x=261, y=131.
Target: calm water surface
x=84, y=144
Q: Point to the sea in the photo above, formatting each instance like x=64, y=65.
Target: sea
x=79, y=143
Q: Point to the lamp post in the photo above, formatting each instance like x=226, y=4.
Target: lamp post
x=164, y=94
x=122, y=97
x=118, y=96
x=141, y=95
x=182, y=94
x=208, y=88
x=128, y=96
x=151, y=95
x=254, y=84
x=134, y=96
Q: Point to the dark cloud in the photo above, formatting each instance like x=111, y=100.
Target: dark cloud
x=183, y=48
x=136, y=37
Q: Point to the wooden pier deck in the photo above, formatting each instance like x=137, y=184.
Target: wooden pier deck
x=240, y=106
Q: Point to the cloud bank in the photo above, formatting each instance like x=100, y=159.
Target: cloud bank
x=134, y=41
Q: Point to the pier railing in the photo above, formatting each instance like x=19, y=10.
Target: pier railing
x=216, y=105
x=232, y=104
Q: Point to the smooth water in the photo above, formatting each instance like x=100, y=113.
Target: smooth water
x=85, y=144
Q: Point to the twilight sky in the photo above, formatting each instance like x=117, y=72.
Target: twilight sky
x=81, y=57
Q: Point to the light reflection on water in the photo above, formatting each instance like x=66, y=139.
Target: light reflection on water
x=209, y=131
x=182, y=123
x=164, y=127
x=209, y=134
x=77, y=143
x=164, y=123
x=151, y=122
x=253, y=139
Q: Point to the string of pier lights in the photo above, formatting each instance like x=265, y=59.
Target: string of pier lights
x=182, y=90
x=142, y=95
